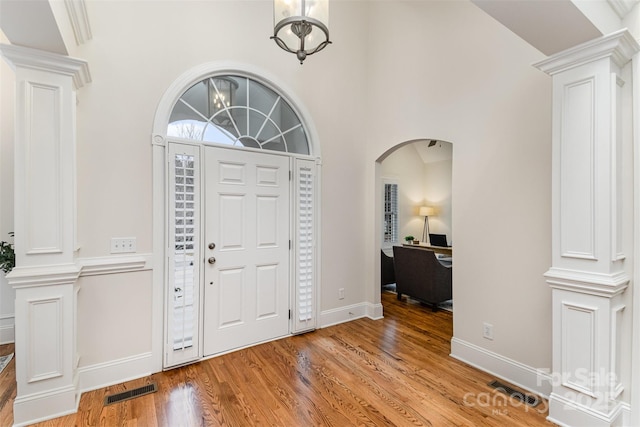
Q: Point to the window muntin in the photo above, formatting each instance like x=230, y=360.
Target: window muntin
x=238, y=111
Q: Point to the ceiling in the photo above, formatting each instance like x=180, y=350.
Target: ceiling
x=439, y=152
x=31, y=23
x=549, y=25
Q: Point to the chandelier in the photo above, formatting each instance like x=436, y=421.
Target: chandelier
x=300, y=26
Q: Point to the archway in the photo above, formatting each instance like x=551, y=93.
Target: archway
x=414, y=178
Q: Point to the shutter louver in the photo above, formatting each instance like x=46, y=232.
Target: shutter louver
x=183, y=292
x=305, y=262
x=390, y=231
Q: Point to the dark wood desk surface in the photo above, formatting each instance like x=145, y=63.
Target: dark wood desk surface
x=436, y=249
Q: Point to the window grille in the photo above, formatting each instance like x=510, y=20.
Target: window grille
x=390, y=225
x=238, y=111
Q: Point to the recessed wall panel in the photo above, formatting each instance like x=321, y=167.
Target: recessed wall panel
x=578, y=347
x=577, y=147
x=43, y=188
x=44, y=358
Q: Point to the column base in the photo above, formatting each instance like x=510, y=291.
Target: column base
x=43, y=406
x=565, y=412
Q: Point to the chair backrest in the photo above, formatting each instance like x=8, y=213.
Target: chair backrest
x=421, y=275
x=387, y=271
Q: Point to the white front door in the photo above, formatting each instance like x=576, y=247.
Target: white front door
x=246, y=248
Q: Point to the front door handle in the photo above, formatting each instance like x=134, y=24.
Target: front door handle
x=211, y=260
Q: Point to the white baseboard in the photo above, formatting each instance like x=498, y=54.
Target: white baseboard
x=44, y=406
x=516, y=373
x=374, y=311
x=7, y=328
x=567, y=413
x=342, y=314
x=114, y=372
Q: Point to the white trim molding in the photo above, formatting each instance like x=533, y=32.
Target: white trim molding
x=113, y=372
x=79, y=19
x=7, y=329
x=619, y=46
x=115, y=264
x=535, y=380
x=344, y=314
x=35, y=59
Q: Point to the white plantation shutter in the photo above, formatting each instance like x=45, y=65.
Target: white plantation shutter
x=390, y=224
x=183, y=293
x=304, y=183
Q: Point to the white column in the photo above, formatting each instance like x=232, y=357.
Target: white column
x=588, y=274
x=45, y=277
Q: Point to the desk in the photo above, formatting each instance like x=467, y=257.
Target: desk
x=437, y=249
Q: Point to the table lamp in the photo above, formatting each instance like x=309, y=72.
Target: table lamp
x=425, y=211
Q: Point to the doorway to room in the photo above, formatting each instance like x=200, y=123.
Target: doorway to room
x=415, y=182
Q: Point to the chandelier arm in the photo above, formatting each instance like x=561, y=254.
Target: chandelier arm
x=282, y=44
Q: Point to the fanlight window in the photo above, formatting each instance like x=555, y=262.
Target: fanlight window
x=236, y=110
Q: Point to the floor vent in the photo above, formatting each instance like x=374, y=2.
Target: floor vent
x=131, y=394
x=529, y=399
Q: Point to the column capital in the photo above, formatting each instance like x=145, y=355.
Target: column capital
x=619, y=46
x=18, y=56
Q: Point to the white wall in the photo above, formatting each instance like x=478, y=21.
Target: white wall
x=437, y=194
x=407, y=168
x=464, y=78
x=7, y=294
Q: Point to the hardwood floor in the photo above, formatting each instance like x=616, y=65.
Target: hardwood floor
x=395, y=371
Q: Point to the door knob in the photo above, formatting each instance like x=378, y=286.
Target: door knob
x=211, y=260
x=212, y=246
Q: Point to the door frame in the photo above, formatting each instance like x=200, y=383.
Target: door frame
x=159, y=143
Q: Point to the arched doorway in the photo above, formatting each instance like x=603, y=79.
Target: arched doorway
x=235, y=169
x=414, y=177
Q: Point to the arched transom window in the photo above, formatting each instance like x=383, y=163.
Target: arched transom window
x=239, y=111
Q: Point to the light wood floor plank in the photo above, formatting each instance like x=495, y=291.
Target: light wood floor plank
x=395, y=371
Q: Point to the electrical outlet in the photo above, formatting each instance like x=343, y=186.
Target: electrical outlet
x=121, y=245
x=487, y=330
x=341, y=293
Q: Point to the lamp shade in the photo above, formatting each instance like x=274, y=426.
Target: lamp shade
x=426, y=211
